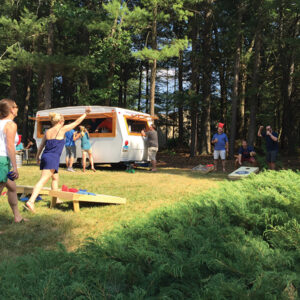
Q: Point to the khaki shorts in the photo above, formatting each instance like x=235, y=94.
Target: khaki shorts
x=4, y=168
x=152, y=153
x=89, y=151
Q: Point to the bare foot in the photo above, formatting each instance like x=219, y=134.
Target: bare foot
x=29, y=207
x=93, y=169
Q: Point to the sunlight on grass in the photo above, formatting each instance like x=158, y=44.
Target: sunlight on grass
x=143, y=190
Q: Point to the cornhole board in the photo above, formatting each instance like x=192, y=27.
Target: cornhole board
x=27, y=189
x=204, y=169
x=242, y=172
x=76, y=198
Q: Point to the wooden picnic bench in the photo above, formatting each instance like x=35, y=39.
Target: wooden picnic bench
x=76, y=198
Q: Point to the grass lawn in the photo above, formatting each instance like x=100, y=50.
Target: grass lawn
x=143, y=190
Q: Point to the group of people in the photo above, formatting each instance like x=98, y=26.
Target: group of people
x=86, y=148
x=246, y=152
x=61, y=134
x=52, y=145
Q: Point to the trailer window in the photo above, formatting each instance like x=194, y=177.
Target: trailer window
x=45, y=126
x=98, y=125
x=135, y=126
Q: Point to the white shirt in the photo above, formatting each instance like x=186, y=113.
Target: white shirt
x=3, y=149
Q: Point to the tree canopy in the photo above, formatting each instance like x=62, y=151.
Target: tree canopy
x=236, y=62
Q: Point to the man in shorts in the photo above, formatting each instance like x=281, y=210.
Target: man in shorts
x=246, y=154
x=220, y=142
x=271, y=138
x=152, y=144
x=70, y=149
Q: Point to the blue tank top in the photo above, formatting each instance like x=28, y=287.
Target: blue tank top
x=85, y=142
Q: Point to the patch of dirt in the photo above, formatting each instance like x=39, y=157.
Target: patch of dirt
x=184, y=161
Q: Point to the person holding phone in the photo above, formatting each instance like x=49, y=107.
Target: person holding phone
x=271, y=138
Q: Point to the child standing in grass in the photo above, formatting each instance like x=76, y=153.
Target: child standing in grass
x=86, y=147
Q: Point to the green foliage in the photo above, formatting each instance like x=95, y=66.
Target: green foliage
x=240, y=241
x=165, y=52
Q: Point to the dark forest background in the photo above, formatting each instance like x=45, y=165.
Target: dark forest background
x=193, y=63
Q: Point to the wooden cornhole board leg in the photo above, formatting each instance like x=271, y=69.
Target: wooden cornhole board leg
x=76, y=206
x=53, y=202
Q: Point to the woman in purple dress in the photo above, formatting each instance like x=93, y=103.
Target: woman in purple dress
x=53, y=142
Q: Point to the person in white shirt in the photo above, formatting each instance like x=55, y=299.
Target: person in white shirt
x=8, y=140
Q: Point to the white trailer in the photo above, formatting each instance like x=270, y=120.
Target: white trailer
x=120, y=142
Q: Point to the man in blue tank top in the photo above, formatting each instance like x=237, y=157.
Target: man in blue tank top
x=220, y=141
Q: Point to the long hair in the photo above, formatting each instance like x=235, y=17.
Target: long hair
x=56, y=118
x=5, y=106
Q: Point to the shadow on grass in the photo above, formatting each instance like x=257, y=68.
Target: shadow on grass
x=41, y=231
x=218, y=176
x=68, y=205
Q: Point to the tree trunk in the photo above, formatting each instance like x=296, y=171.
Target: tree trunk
x=48, y=70
x=154, y=62
x=147, y=88
x=255, y=77
x=125, y=93
x=26, y=104
x=221, y=62
x=180, y=101
x=254, y=88
x=289, y=132
x=194, y=84
x=242, y=100
x=223, y=87
x=235, y=92
x=140, y=85
x=40, y=89
x=207, y=77
x=120, y=94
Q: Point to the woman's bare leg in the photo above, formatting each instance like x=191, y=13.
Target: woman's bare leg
x=54, y=184
x=83, y=160
x=91, y=161
x=46, y=174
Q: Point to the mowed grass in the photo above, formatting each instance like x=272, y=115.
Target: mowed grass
x=143, y=190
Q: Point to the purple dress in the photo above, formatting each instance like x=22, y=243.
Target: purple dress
x=51, y=155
